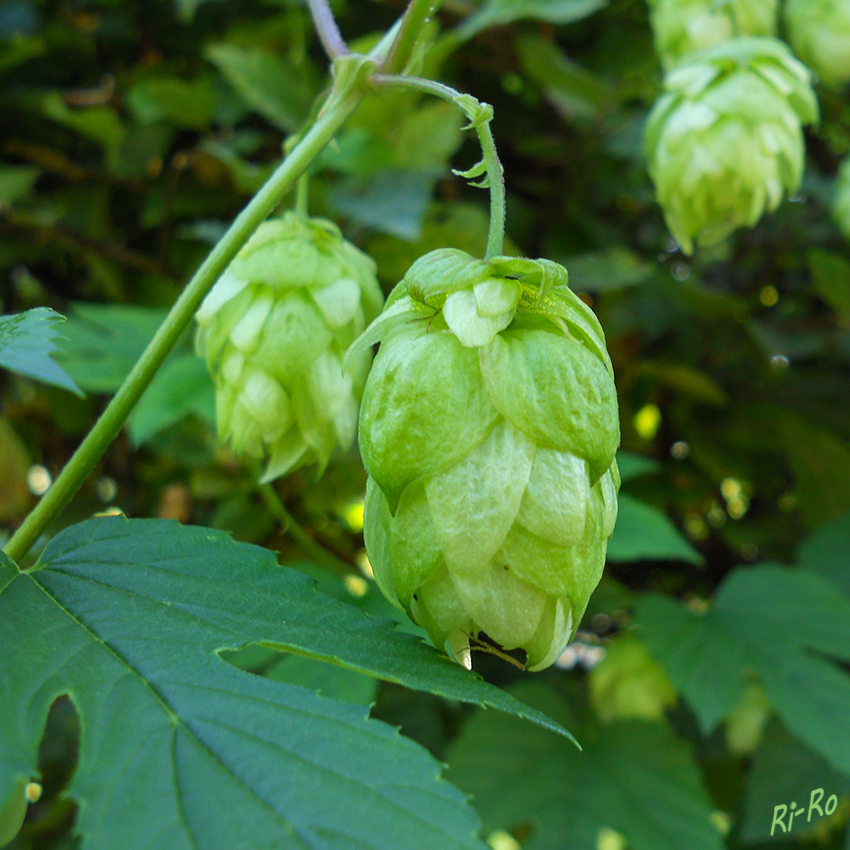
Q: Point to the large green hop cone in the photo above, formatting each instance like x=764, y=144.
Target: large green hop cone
x=274, y=330
x=489, y=427
x=682, y=27
x=725, y=143
x=819, y=32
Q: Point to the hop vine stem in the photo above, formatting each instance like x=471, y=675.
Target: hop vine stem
x=328, y=31
x=393, y=53
x=341, y=104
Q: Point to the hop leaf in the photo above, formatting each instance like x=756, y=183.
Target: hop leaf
x=274, y=330
x=681, y=27
x=488, y=428
x=819, y=32
x=725, y=143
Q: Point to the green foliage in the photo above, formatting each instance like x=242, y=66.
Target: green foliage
x=102, y=344
x=26, y=343
x=134, y=133
x=632, y=777
x=82, y=622
x=784, y=626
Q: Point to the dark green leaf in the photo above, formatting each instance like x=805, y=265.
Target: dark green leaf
x=831, y=280
x=104, y=341
x=644, y=533
x=704, y=659
x=785, y=772
x=26, y=343
x=392, y=202
x=783, y=623
x=606, y=271
x=573, y=91
x=278, y=90
x=179, y=749
x=633, y=466
x=827, y=551
x=632, y=777
x=182, y=103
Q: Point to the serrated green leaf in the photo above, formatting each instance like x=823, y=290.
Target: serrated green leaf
x=26, y=343
x=179, y=749
x=633, y=777
x=104, y=341
x=645, y=533
x=690, y=646
x=240, y=591
x=787, y=626
x=784, y=771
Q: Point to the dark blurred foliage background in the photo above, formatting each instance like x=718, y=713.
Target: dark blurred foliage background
x=131, y=133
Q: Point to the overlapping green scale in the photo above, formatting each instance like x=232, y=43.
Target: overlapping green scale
x=490, y=451
x=725, y=142
x=274, y=331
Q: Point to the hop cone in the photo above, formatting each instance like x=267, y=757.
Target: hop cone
x=489, y=427
x=819, y=32
x=841, y=203
x=274, y=329
x=725, y=142
x=681, y=27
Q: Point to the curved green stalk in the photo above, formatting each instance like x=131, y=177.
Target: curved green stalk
x=490, y=167
x=343, y=101
x=415, y=17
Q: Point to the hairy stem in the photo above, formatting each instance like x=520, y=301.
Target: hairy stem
x=342, y=104
x=415, y=17
x=490, y=157
x=329, y=34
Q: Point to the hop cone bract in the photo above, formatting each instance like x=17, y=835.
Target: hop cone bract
x=274, y=330
x=725, y=143
x=489, y=427
x=681, y=27
x=819, y=32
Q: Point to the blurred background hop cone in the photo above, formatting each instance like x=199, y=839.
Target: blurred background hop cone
x=725, y=143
